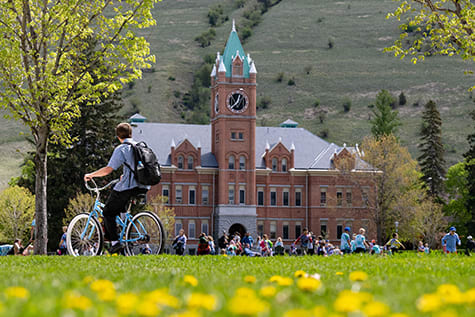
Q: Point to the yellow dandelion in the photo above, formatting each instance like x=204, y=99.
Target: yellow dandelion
x=275, y=278
x=300, y=273
x=147, y=308
x=268, y=291
x=339, y=273
x=104, y=289
x=74, y=300
x=198, y=300
x=126, y=303
x=190, y=279
x=348, y=301
x=245, y=292
x=282, y=281
x=253, y=306
x=17, y=292
x=319, y=311
x=308, y=284
x=376, y=309
x=469, y=296
x=429, y=303
x=250, y=279
x=450, y=294
x=161, y=297
x=297, y=313
x=358, y=276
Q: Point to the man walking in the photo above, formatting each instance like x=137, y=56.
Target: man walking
x=450, y=241
x=127, y=187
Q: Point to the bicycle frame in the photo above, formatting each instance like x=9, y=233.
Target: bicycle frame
x=123, y=223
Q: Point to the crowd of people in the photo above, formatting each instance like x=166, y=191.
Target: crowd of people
x=309, y=244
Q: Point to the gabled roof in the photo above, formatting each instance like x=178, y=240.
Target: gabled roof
x=234, y=47
x=311, y=152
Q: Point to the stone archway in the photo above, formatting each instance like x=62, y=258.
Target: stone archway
x=237, y=227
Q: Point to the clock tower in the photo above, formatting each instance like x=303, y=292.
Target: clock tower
x=233, y=132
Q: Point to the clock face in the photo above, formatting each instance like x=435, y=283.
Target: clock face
x=237, y=101
x=216, y=103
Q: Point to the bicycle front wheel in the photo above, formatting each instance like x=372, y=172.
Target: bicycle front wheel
x=84, y=236
x=144, y=234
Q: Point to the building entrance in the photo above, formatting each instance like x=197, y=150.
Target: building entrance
x=237, y=227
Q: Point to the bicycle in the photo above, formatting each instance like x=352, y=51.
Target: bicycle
x=141, y=234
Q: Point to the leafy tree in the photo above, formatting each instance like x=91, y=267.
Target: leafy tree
x=446, y=25
x=431, y=159
x=45, y=73
x=396, y=175
x=81, y=203
x=17, y=209
x=457, y=190
x=166, y=214
x=385, y=121
x=470, y=168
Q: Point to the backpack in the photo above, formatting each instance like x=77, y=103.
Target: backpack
x=147, y=168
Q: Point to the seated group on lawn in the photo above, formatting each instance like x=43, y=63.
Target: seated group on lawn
x=307, y=244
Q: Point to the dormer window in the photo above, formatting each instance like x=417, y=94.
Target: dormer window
x=284, y=165
x=180, y=162
x=274, y=164
x=190, y=162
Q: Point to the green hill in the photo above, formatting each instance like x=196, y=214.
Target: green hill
x=293, y=38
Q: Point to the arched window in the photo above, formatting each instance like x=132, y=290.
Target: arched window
x=190, y=162
x=180, y=162
x=242, y=163
x=231, y=162
x=274, y=164
x=284, y=165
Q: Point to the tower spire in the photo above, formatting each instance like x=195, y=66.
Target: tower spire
x=234, y=26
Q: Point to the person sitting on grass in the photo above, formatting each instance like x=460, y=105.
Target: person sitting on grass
x=212, y=248
x=63, y=250
x=231, y=250
x=179, y=244
x=426, y=248
x=450, y=241
x=420, y=247
x=395, y=244
x=203, y=245
x=248, y=252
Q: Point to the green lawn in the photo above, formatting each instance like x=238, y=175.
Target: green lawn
x=216, y=286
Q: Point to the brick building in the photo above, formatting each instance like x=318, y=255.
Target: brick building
x=233, y=176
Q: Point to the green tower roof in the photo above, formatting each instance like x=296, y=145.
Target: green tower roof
x=233, y=46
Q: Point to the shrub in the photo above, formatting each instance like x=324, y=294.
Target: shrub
x=346, y=104
x=316, y=103
x=131, y=84
x=246, y=32
x=264, y=102
x=171, y=78
x=280, y=77
x=331, y=42
x=206, y=37
x=149, y=88
x=209, y=58
x=239, y=3
x=216, y=15
x=321, y=116
x=320, y=20
x=291, y=82
x=402, y=99
x=177, y=94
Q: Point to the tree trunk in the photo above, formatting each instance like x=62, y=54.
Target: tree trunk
x=41, y=216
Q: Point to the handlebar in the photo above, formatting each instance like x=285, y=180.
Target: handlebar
x=97, y=189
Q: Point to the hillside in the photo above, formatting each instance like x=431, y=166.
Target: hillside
x=292, y=36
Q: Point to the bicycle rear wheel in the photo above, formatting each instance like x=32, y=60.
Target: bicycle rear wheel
x=84, y=236
x=144, y=234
